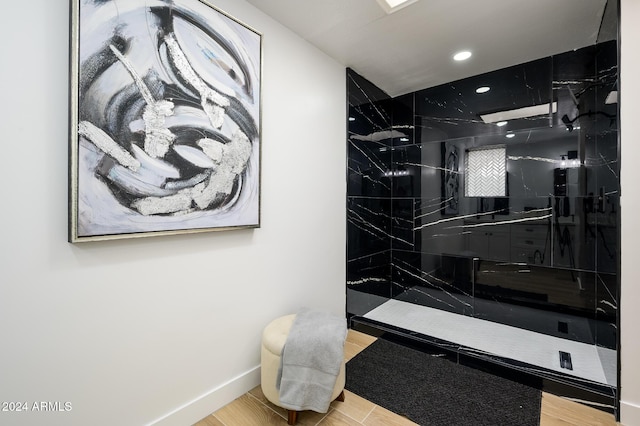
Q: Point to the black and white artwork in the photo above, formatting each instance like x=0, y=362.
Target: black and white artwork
x=450, y=178
x=165, y=119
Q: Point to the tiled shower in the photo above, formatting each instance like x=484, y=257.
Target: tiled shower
x=485, y=223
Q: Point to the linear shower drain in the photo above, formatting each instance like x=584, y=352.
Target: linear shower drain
x=565, y=360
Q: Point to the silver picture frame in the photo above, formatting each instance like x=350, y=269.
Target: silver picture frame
x=165, y=120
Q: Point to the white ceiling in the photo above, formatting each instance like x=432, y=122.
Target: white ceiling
x=412, y=48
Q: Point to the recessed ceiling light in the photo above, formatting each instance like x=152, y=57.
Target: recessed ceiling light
x=483, y=89
x=501, y=123
x=404, y=139
x=462, y=56
x=352, y=119
x=395, y=3
x=511, y=135
x=391, y=6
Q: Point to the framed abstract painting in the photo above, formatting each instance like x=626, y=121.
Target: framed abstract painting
x=165, y=133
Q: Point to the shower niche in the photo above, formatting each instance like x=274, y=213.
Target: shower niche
x=486, y=224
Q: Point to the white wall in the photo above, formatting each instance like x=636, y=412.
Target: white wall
x=630, y=206
x=129, y=331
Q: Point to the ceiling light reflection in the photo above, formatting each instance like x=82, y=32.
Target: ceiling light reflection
x=526, y=112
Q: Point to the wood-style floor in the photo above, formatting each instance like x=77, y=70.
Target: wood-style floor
x=253, y=409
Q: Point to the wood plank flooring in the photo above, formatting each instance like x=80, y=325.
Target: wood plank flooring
x=253, y=409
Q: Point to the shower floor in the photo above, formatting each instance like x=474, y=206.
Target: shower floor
x=590, y=362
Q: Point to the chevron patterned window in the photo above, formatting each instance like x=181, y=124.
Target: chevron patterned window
x=486, y=172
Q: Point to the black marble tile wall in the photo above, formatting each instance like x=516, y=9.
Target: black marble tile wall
x=454, y=110
x=436, y=281
x=403, y=236
x=543, y=257
x=370, y=274
x=369, y=169
x=554, y=301
x=368, y=226
x=370, y=176
x=370, y=139
x=403, y=119
x=606, y=297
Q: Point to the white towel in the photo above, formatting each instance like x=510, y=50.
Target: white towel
x=311, y=359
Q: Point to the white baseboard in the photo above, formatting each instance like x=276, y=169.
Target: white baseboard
x=195, y=410
x=629, y=414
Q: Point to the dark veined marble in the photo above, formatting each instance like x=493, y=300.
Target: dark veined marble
x=368, y=226
x=541, y=257
x=454, y=110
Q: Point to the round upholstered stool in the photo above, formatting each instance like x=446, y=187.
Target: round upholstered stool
x=274, y=337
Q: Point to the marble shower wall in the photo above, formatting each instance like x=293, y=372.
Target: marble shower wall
x=549, y=245
x=369, y=216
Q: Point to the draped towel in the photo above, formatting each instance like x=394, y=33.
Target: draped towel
x=311, y=360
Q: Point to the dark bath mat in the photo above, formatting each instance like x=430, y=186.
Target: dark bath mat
x=433, y=391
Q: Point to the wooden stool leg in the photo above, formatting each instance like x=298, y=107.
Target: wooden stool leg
x=293, y=414
x=340, y=397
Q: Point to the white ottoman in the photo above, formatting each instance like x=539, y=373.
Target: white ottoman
x=274, y=337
